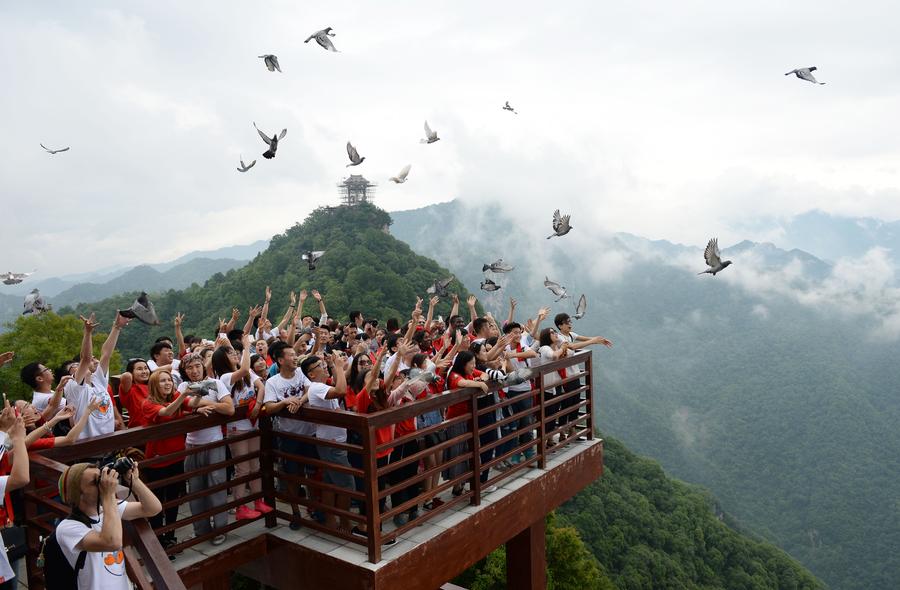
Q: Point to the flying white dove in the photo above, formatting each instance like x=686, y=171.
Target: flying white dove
x=272, y=142
x=580, y=308
x=556, y=289
x=271, y=62
x=713, y=258
x=322, y=38
x=355, y=160
x=401, y=178
x=497, y=266
x=245, y=167
x=143, y=310
x=430, y=136
x=312, y=257
x=560, y=225
x=49, y=151
x=806, y=74
x=14, y=278
x=34, y=304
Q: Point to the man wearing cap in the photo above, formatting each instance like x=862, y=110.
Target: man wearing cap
x=92, y=496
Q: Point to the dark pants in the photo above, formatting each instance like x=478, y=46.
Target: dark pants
x=524, y=401
x=382, y=482
x=165, y=493
x=551, y=408
x=568, y=403
x=402, y=474
x=356, y=459
x=488, y=434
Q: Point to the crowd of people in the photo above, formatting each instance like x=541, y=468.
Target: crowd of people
x=306, y=359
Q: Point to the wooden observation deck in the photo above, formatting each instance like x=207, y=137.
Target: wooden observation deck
x=426, y=552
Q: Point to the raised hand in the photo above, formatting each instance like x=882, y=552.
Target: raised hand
x=303, y=295
x=89, y=322
x=62, y=382
x=255, y=311
x=7, y=416
x=68, y=411
x=268, y=293
x=17, y=432
x=454, y=298
x=6, y=357
x=434, y=301
x=603, y=341
x=121, y=321
x=235, y=313
x=179, y=319
x=316, y=295
x=543, y=313
x=471, y=300
x=293, y=299
x=512, y=303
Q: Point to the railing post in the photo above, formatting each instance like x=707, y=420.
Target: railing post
x=476, y=450
x=267, y=466
x=373, y=514
x=542, y=444
x=32, y=538
x=589, y=393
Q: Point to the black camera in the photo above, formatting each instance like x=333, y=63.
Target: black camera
x=122, y=466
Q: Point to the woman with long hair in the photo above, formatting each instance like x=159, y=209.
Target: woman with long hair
x=552, y=348
x=162, y=405
x=246, y=390
x=211, y=393
x=462, y=374
x=133, y=390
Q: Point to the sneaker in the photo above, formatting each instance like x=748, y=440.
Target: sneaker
x=245, y=513
x=262, y=507
x=218, y=539
x=515, y=459
x=436, y=503
x=401, y=519
x=414, y=514
x=295, y=523
x=489, y=490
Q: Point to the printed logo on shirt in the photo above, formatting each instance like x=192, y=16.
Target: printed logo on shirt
x=105, y=404
x=112, y=563
x=245, y=396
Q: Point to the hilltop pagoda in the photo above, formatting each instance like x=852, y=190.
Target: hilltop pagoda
x=355, y=189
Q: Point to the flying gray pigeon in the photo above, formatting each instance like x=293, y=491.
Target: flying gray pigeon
x=713, y=258
x=506, y=107
x=272, y=142
x=401, y=178
x=517, y=377
x=417, y=374
x=580, y=308
x=14, y=278
x=245, y=167
x=489, y=285
x=497, y=266
x=322, y=38
x=806, y=74
x=439, y=288
x=202, y=388
x=35, y=304
x=142, y=309
x=49, y=151
x=355, y=160
x=271, y=62
x=556, y=289
x=312, y=257
x=560, y=225
x=430, y=136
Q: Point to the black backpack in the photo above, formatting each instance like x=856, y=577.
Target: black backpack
x=58, y=574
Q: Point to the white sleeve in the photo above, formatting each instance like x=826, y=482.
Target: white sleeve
x=271, y=392
x=73, y=392
x=222, y=392
x=3, y=481
x=100, y=378
x=226, y=380
x=182, y=387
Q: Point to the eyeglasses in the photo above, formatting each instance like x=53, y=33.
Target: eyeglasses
x=364, y=362
x=314, y=367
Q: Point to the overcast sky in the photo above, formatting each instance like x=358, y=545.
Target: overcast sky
x=668, y=120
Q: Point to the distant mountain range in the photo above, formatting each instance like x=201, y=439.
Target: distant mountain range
x=194, y=267
x=772, y=384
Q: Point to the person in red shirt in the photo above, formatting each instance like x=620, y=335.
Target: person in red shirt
x=162, y=405
x=462, y=374
x=133, y=390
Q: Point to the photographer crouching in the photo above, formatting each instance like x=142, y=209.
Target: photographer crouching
x=91, y=538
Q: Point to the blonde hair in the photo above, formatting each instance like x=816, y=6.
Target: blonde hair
x=155, y=394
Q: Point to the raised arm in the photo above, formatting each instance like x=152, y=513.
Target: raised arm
x=372, y=376
x=536, y=327
x=72, y=435
x=55, y=401
x=244, y=368
x=109, y=345
x=454, y=310
x=18, y=475
x=232, y=322
x=471, y=300
x=87, y=349
x=512, y=311
x=265, y=311
x=179, y=335
x=323, y=313
x=432, y=303
x=252, y=314
x=287, y=314
x=416, y=314
x=340, y=379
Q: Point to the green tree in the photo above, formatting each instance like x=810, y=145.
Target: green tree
x=47, y=338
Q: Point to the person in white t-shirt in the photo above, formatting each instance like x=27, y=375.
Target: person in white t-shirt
x=17, y=478
x=328, y=397
x=91, y=380
x=45, y=400
x=285, y=390
x=92, y=495
x=162, y=357
x=246, y=390
x=214, y=394
x=575, y=341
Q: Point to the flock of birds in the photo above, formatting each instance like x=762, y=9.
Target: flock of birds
x=143, y=310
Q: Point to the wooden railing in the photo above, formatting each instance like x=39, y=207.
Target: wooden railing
x=480, y=444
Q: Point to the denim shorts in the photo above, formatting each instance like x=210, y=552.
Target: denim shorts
x=338, y=457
